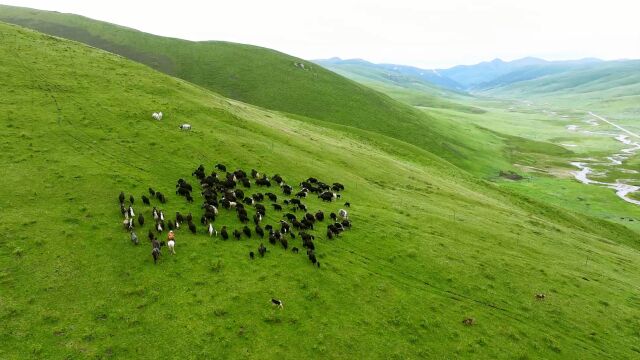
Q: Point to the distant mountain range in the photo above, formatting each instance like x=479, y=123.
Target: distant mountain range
x=483, y=76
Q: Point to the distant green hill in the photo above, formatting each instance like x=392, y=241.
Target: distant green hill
x=274, y=80
x=430, y=245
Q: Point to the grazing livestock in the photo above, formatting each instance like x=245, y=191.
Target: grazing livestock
x=263, y=182
x=179, y=217
x=273, y=197
x=152, y=192
x=319, y=215
x=295, y=250
x=156, y=254
x=221, y=167
x=141, y=219
x=131, y=199
x=333, y=216
x=285, y=243
x=277, y=207
x=145, y=200
x=157, y=115
x=224, y=233
x=261, y=209
x=159, y=226
x=134, y=238
x=245, y=182
x=337, y=187
x=127, y=224
x=302, y=207
x=259, y=231
x=237, y=234
x=192, y=227
x=329, y=234
x=540, y=296
x=347, y=204
x=278, y=179
x=246, y=231
x=469, y=321
x=262, y=250
x=185, y=127
x=121, y=197
x=189, y=217
x=171, y=225
x=171, y=242
x=156, y=214
x=257, y=218
x=251, y=255
x=151, y=236
x=343, y=214
x=286, y=189
x=130, y=211
x=277, y=303
x=212, y=231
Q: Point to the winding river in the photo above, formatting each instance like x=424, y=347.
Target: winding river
x=621, y=188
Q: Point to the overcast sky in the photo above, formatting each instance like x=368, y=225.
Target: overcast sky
x=429, y=34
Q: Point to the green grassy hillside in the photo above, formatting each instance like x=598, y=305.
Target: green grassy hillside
x=430, y=246
x=259, y=76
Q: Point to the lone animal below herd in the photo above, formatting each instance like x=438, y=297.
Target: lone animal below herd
x=231, y=191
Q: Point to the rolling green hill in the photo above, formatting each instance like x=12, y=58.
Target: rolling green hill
x=410, y=85
x=430, y=245
x=262, y=77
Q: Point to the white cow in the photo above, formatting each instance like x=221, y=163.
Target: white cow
x=185, y=127
x=157, y=115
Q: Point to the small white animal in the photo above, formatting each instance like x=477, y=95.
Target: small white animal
x=131, y=213
x=185, y=127
x=212, y=230
x=157, y=115
x=161, y=215
x=277, y=303
x=171, y=244
x=343, y=214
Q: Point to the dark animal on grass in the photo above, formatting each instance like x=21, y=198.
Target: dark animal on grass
x=179, y=217
x=257, y=218
x=221, y=167
x=258, y=197
x=333, y=216
x=310, y=217
x=469, y=321
x=248, y=201
x=312, y=180
x=189, y=217
x=347, y=204
x=302, y=207
x=327, y=196
x=251, y=255
x=289, y=216
x=171, y=225
x=192, y=227
x=295, y=250
x=306, y=224
x=301, y=194
x=268, y=227
x=155, y=244
x=272, y=238
x=295, y=201
x=262, y=250
x=160, y=197
x=224, y=233
x=293, y=235
x=278, y=179
x=313, y=258
x=319, y=216
x=277, y=207
x=182, y=191
x=259, y=231
x=261, y=209
x=346, y=224
x=155, y=253
x=121, y=197
x=284, y=227
x=273, y=197
x=337, y=187
x=145, y=200
x=131, y=199
x=254, y=173
x=246, y=231
x=329, y=234
x=285, y=243
x=152, y=192
x=141, y=220
x=246, y=183
x=540, y=296
x=203, y=220
x=189, y=197
x=277, y=303
x=238, y=193
x=237, y=234
x=151, y=235
x=286, y=189
x=263, y=182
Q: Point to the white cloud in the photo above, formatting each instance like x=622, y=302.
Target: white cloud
x=423, y=33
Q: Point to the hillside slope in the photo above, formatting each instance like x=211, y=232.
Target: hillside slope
x=259, y=76
x=430, y=245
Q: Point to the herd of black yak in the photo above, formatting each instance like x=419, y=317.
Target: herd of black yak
x=230, y=192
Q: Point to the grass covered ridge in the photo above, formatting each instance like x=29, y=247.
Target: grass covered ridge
x=431, y=244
